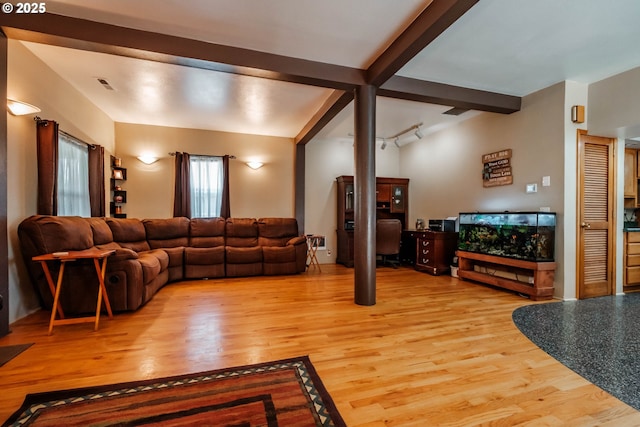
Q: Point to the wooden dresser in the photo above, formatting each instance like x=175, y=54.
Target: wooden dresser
x=433, y=251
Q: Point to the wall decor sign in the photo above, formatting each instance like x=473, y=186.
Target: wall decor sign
x=497, y=168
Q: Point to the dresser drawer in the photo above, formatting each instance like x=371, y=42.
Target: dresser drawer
x=425, y=252
x=633, y=260
x=632, y=275
x=633, y=237
x=633, y=248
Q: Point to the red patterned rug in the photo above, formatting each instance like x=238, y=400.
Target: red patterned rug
x=282, y=393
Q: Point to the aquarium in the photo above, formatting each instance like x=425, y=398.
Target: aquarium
x=522, y=235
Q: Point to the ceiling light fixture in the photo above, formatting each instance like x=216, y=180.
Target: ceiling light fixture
x=19, y=108
x=255, y=165
x=147, y=160
x=396, y=138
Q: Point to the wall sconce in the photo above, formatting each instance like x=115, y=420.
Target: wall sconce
x=577, y=114
x=19, y=108
x=255, y=165
x=147, y=160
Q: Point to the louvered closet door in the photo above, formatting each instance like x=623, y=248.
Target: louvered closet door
x=595, y=216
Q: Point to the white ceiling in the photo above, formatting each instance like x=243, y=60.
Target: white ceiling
x=507, y=46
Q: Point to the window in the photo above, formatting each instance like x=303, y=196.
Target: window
x=207, y=180
x=73, y=177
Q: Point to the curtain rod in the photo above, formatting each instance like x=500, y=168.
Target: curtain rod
x=173, y=153
x=77, y=140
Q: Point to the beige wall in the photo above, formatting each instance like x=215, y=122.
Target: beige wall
x=445, y=168
x=614, y=104
x=32, y=81
x=326, y=159
x=265, y=192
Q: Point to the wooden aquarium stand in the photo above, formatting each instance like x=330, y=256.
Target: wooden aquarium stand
x=543, y=273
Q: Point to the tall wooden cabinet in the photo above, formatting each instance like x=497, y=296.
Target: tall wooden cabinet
x=391, y=202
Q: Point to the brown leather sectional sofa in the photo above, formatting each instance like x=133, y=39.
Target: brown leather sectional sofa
x=150, y=253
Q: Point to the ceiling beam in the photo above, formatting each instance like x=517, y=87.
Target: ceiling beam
x=454, y=96
x=65, y=31
x=432, y=22
x=76, y=33
x=336, y=102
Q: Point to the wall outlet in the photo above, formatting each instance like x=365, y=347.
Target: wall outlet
x=545, y=209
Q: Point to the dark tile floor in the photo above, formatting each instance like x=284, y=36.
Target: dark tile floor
x=599, y=338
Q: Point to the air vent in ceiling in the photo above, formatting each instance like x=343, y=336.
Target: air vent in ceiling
x=455, y=111
x=105, y=83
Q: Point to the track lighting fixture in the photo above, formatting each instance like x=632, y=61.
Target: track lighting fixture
x=396, y=138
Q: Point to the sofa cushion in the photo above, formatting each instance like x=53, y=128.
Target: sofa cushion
x=204, y=256
x=276, y=231
x=41, y=234
x=243, y=255
x=101, y=232
x=241, y=232
x=206, y=232
x=129, y=233
x=275, y=254
x=167, y=233
x=153, y=263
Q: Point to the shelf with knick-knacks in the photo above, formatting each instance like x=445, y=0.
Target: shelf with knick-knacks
x=118, y=195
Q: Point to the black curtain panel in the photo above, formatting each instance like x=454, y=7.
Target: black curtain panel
x=47, y=145
x=182, y=193
x=96, y=180
x=225, y=208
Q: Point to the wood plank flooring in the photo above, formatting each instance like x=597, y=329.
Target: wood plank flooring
x=433, y=351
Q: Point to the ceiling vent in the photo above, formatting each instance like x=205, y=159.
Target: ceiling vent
x=455, y=111
x=105, y=83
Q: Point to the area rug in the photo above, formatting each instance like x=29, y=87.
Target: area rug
x=281, y=393
x=8, y=352
x=598, y=338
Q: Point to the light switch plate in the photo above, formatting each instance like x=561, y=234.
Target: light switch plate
x=532, y=188
x=546, y=181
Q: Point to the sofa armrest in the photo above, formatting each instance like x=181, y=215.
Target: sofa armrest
x=297, y=240
x=122, y=254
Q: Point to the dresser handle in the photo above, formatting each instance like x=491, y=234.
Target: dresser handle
x=425, y=261
x=425, y=251
x=425, y=243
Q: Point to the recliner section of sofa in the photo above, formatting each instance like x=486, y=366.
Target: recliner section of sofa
x=150, y=253
x=204, y=257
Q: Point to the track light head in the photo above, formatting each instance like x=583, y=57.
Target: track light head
x=384, y=144
x=395, y=141
x=419, y=133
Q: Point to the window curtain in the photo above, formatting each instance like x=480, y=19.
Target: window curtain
x=96, y=180
x=207, y=177
x=182, y=192
x=73, y=178
x=47, y=146
x=225, y=208
x=47, y=143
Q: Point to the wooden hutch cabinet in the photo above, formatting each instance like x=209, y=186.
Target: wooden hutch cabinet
x=391, y=202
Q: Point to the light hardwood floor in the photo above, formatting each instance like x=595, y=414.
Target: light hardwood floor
x=433, y=351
